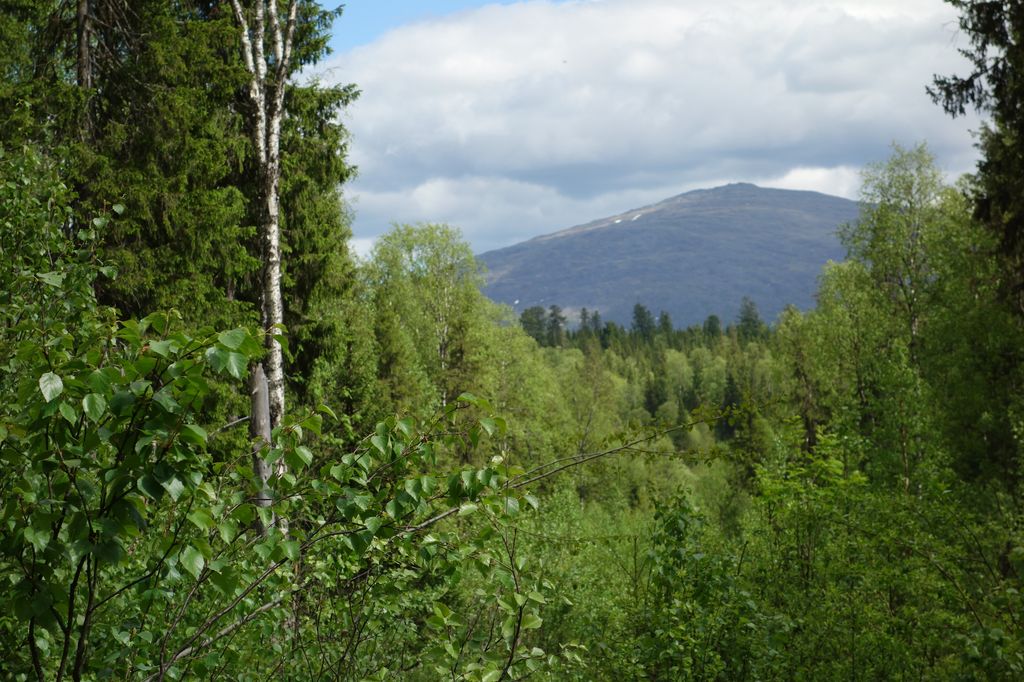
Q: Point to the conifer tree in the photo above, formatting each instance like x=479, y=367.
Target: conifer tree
x=994, y=87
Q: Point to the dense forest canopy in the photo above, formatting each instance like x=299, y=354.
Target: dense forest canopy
x=445, y=490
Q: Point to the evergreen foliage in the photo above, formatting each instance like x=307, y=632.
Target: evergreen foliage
x=994, y=87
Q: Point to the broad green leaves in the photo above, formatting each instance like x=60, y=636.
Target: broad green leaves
x=233, y=340
x=51, y=386
x=154, y=508
x=94, y=406
x=222, y=360
x=531, y=621
x=106, y=473
x=54, y=279
x=192, y=560
x=193, y=434
x=121, y=500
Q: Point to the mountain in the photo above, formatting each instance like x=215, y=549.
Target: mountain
x=692, y=255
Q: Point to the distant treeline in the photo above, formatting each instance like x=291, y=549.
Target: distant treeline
x=551, y=327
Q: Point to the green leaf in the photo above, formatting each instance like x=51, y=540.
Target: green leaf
x=217, y=357
x=373, y=524
x=109, y=551
x=359, y=542
x=314, y=423
x=99, y=382
x=379, y=443
x=162, y=348
x=412, y=488
x=94, y=405
x=508, y=628
x=491, y=676
x=54, y=279
x=531, y=621
x=39, y=538
x=144, y=365
x=233, y=339
x=265, y=549
x=305, y=454
x=68, y=412
x=266, y=517
x=282, y=341
x=191, y=433
x=228, y=530
x=164, y=399
x=51, y=386
x=174, y=487
x=121, y=402
x=490, y=426
x=237, y=365
x=193, y=561
x=151, y=487
x=158, y=321
x=291, y=549
x=201, y=520
x=117, y=208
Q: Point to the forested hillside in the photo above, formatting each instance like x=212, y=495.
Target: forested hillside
x=229, y=449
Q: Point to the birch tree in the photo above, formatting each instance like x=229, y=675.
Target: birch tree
x=426, y=284
x=261, y=28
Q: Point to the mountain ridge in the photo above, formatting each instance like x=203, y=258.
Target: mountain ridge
x=692, y=255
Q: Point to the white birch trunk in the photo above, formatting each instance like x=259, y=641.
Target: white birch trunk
x=266, y=95
x=259, y=431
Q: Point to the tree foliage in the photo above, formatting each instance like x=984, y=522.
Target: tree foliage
x=994, y=86
x=836, y=493
x=131, y=548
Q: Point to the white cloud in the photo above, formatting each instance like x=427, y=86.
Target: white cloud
x=842, y=181
x=362, y=246
x=515, y=120
x=496, y=209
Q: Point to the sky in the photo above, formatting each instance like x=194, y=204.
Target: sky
x=515, y=119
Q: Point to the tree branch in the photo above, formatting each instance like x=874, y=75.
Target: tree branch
x=285, y=61
x=247, y=56
x=275, y=28
x=224, y=632
x=220, y=614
